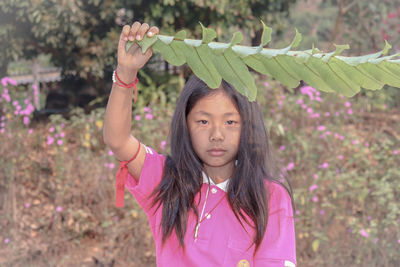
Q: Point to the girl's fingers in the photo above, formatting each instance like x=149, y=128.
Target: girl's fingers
x=134, y=29
x=142, y=31
x=153, y=31
x=123, y=39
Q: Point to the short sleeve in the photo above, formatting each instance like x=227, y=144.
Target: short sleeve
x=278, y=247
x=149, y=179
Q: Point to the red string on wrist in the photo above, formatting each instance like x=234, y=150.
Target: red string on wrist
x=120, y=180
x=120, y=83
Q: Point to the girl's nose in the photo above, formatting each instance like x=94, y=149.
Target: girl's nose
x=216, y=134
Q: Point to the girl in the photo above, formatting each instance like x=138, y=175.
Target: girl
x=214, y=201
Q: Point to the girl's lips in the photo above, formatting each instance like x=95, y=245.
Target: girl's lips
x=216, y=152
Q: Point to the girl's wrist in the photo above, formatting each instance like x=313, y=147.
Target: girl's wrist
x=126, y=75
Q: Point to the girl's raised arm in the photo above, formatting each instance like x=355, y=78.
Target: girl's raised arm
x=117, y=122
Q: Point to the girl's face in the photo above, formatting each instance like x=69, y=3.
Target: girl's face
x=214, y=125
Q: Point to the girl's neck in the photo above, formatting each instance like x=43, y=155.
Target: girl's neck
x=219, y=174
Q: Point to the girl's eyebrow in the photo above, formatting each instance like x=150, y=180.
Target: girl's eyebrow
x=201, y=112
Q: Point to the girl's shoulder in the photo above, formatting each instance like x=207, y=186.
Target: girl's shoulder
x=278, y=196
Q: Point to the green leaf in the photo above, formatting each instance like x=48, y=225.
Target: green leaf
x=235, y=71
x=208, y=34
x=328, y=72
x=266, y=34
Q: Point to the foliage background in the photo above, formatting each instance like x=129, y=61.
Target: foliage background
x=57, y=176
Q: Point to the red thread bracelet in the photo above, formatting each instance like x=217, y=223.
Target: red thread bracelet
x=120, y=180
x=120, y=83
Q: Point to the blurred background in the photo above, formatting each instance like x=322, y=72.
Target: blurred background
x=57, y=177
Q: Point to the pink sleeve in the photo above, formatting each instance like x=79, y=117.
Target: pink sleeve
x=278, y=247
x=149, y=179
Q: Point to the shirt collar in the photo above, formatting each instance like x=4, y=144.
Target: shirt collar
x=223, y=186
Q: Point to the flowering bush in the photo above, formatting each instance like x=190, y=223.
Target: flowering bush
x=340, y=154
x=343, y=168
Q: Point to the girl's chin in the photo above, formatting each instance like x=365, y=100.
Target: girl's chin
x=215, y=163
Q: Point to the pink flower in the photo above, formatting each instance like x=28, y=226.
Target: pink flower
x=309, y=110
x=282, y=148
x=328, y=133
x=6, y=80
x=51, y=129
x=340, y=157
x=308, y=90
x=337, y=114
x=303, y=106
x=364, y=233
x=321, y=128
x=322, y=212
x=392, y=15
x=324, y=165
x=327, y=114
x=318, y=99
x=111, y=165
x=398, y=241
x=62, y=134
x=290, y=166
x=313, y=187
x=163, y=144
x=266, y=84
x=347, y=104
x=6, y=241
x=59, y=209
x=147, y=109
x=27, y=205
x=366, y=144
x=315, y=176
x=280, y=103
x=315, y=199
x=149, y=116
x=137, y=118
x=341, y=137
x=59, y=142
x=395, y=152
x=355, y=142
x=349, y=111
x=300, y=101
x=110, y=153
x=50, y=140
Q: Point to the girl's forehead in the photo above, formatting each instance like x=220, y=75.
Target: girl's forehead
x=218, y=102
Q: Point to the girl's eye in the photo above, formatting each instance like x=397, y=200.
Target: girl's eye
x=202, y=122
x=231, y=122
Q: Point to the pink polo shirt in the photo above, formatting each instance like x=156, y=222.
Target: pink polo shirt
x=221, y=239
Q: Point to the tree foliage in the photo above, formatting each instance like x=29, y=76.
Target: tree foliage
x=81, y=36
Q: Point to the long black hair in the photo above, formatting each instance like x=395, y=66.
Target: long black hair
x=182, y=178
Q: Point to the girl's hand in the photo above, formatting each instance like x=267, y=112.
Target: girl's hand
x=129, y=62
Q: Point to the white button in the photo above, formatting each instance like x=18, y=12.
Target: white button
x=208, y=216
x=213, y=190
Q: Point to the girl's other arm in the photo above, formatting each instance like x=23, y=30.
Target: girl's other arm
x=117, y=122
